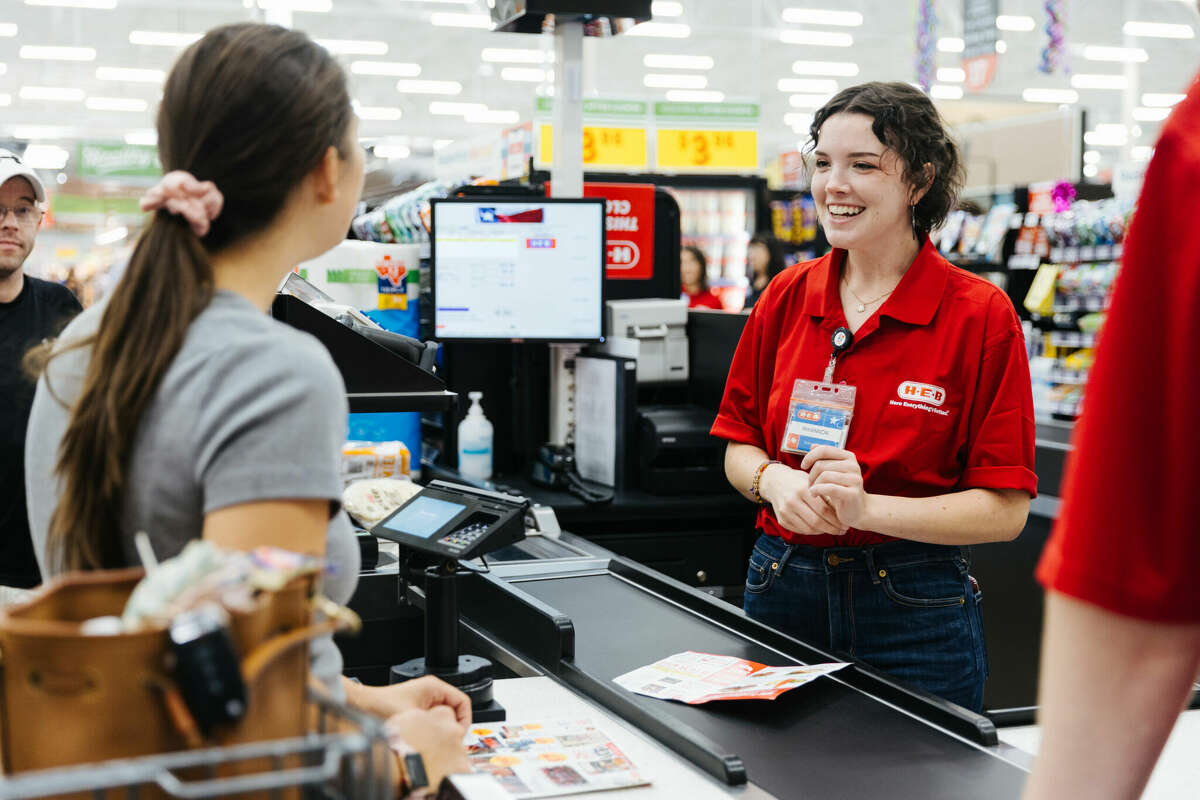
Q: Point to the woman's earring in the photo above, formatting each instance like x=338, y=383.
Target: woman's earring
x=915, y=228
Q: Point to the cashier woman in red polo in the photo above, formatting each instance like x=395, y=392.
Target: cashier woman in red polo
x=879, y=409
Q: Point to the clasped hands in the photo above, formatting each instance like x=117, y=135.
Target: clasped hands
x=824, y=496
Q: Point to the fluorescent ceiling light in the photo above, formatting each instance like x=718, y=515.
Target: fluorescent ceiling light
x=1143, y=114
x=1090, y=170
x=145, y=137
x=394, y=69
x=1050, y=96
x=660, y=81
x=116, y=104
x=8, y=29
x=942, y=91
x=452, y=109
x=5, y=99
x=812, y=85
x=951, y=75
x=816, y=16
x=429, y=87
x=525, y=74
x=163, y=38
x=1141, y=153
x=798, y=119
x=1084, y=81
x=1011, y=23
x=47, y=53
x=389, y=151
x=663, y=61
x=841, y=69
x=1125, y=55
x=1159, y=30
x=130, y=74
x=454, y=19
x=818, y=38
x=695, y=96
x=808, y=100
x=310, y=6
x=112, y=235
x=65, y=94
x=1107, y=135
x=493, y=117
x=101, y=4
x=662, y=30
x=382, y=113
x=45, y=156
x=354, y=47
x=950, y=44
x=1156, y=100
x=1091, y=156
x=1001, y=46
x=666, y=8
x=438, y=144
x=512, y=55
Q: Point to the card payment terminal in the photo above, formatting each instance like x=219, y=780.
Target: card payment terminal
x=452, y=521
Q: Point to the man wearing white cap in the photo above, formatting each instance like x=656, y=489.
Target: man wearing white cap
x=30, y=310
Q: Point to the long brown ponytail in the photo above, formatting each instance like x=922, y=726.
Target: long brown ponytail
x=252, y=108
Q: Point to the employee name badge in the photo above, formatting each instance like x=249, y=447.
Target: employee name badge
x=820, y=411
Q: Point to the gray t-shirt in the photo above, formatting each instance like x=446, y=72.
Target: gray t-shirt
x=250, y=409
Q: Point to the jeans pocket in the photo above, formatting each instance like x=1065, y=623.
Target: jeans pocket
x=924, y=586
x=760, y=574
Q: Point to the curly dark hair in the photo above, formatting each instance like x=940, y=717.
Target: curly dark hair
x=906, y=121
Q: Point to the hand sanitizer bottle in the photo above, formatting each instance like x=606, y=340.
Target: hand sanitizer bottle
x=475, y=442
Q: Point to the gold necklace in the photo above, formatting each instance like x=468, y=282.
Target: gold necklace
x=862, y=304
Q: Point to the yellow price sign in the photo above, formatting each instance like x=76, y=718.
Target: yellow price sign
x=681, y=149
x=602, y=147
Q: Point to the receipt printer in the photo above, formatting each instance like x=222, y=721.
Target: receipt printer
x=676, y=455
x=654, y=332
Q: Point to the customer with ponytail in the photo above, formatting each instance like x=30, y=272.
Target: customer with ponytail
x=178, y=407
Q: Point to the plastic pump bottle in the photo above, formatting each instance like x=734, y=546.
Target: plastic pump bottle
x=475, y=442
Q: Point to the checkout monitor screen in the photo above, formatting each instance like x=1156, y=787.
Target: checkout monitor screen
x=518, y=269
x=423, y=517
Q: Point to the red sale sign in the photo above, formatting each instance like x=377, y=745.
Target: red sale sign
x=629, y=222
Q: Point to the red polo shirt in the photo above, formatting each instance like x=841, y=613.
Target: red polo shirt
x=1128, y=535
x=943, y=330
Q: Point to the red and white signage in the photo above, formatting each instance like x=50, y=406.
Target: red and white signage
x=629, y=223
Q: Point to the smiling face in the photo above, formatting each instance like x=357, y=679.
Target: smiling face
x=862, y=197
x=16, y=240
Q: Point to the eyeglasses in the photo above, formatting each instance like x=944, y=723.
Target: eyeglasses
x=26, y=215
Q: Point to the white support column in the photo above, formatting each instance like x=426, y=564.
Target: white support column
x=567, y=172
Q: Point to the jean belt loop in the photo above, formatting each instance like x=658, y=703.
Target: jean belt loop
x=869, y=555
x=788, y=549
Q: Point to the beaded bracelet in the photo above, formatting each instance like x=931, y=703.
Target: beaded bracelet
x=758, y=473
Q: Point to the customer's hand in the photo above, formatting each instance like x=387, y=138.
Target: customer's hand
x=836, y=477
x=422, y=693
x=796, y=507
x=437, y=735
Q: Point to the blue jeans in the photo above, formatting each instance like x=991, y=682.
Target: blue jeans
x=907, y=608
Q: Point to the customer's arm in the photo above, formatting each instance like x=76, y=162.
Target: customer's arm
x=1111, y=689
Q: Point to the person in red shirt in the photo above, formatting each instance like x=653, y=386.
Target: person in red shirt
x=1121, y=641
x=693, y=277
x=865, y=550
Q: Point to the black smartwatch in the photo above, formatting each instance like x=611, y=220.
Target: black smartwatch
x=414, y=768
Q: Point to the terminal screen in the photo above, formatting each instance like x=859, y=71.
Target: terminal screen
x=518, y=270
x=423, y=517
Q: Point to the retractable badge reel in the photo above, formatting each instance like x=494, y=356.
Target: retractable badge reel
x=820, y=412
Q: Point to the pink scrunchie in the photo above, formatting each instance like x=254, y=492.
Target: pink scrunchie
x=199, y=202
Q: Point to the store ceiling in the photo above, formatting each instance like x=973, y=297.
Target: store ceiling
x=742, y=37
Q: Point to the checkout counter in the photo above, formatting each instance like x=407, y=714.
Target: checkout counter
x=574, y=615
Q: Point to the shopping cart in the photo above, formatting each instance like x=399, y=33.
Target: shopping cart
x=345, y=758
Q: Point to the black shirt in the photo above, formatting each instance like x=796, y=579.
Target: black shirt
x=40, y=311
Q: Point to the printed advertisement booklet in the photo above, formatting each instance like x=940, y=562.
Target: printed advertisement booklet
x=551, y=758
x=695, y=678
